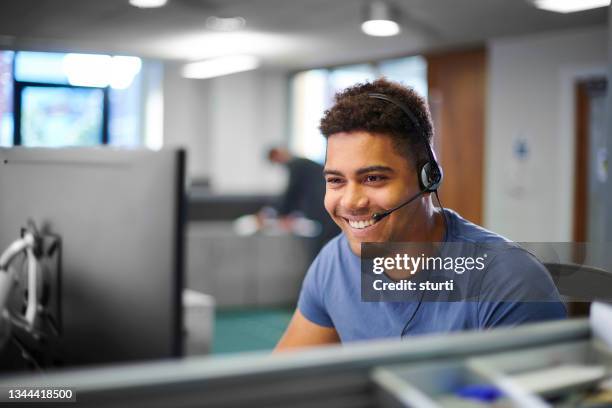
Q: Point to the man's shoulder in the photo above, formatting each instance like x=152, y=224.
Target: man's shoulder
x=462, y=230
x=334, y=249
x=509, y=267
x=514, y=274
x=336, y=260
x=329, y=268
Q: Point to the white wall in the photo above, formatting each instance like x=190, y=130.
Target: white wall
x=186, y=118
x=226, y=123
x=248, y=113
x=531, y=97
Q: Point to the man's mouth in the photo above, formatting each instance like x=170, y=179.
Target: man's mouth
x=360, y=224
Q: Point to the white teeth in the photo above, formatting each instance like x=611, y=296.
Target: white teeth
x=361, y=224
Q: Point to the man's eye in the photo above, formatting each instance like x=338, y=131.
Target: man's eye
x=374, y=178
x=334, y=180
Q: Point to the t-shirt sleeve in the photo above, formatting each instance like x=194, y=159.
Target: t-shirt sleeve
x=515, y=289
x=311, y=301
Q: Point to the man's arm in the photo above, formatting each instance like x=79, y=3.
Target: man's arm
x=301, y=332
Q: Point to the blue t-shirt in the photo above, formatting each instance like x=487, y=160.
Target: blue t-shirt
x=331, y=292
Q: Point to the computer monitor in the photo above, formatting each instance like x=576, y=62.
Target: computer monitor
x=119, y=217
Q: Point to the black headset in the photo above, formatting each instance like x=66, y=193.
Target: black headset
x=430, y=174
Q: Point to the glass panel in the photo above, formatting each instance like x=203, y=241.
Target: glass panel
x=124, y=121
x=46, y=67
x=152, y=113
x=58, y=116
x=410, y=71
x=349, y=75
x=129, y=105
x=310, y=99
x=6, y=98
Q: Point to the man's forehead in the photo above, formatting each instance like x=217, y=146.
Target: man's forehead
x=352, y=152
x=359, y=138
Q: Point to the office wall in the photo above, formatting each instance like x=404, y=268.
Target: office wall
x=248, y=113
x=529, y=149
x=225, y=123
x=187, y=117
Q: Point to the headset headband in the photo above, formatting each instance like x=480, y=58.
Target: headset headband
x=415, y=122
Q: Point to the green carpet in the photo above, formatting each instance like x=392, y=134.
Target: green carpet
x=254, y=329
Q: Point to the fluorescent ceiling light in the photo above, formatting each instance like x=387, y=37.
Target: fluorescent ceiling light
x=380, y=28
x=569, y=6
x=225, y=24
x=148, y=3
x=206, y=45
x=220, y=66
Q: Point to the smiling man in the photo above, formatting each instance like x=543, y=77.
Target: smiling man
x=380, y=174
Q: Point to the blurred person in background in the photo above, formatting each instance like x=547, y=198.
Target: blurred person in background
x=303, y=197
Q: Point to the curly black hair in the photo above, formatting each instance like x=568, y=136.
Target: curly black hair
x=354, y=110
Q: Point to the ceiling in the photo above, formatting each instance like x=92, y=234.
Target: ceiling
x=285, y=33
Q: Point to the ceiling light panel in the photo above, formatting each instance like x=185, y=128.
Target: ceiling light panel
x=220, y=66
x=148, y=3
x=569, y=6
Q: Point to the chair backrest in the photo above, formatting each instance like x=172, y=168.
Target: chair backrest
x=579, y=285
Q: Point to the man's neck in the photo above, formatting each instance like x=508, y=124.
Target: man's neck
x=431, y=226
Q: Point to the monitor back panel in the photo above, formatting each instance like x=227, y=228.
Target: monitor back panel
x=119, y=216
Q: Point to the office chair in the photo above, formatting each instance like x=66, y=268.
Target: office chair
x=579, y=285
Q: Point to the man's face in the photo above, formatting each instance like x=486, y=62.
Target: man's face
x=364, y=175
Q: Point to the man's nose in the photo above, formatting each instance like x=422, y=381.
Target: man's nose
x=354, y=197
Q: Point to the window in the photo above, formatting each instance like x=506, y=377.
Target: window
x=58, y=99
x=312, y=93
x=6, y=98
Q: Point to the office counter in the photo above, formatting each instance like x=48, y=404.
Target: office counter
x=257, y=270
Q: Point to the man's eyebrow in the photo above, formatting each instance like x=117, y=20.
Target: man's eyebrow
x=361, y=171
x=327, y=172
x=372, y=169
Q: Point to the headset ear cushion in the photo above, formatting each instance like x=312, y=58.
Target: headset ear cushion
x=431, y=176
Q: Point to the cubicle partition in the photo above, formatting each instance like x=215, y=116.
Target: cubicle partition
x=335, y=376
